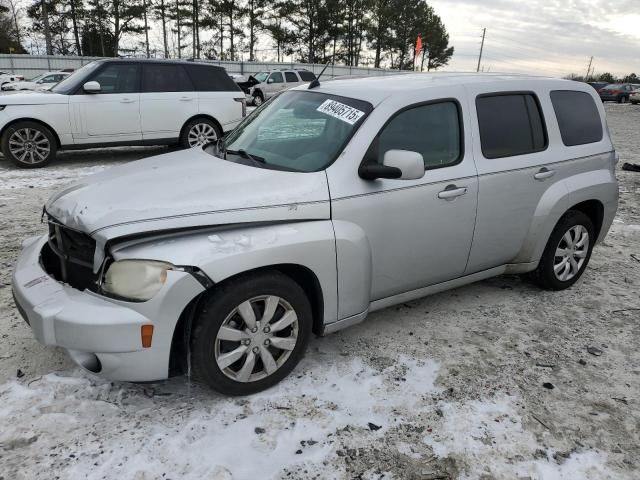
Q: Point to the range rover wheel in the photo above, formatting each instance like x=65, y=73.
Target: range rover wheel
x=567, y=252
x=199, y=132
x=250, y=333
x=29, y=144
x=258, y=99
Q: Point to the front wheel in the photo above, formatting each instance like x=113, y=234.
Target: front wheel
x=29, y=144
x=258, y=99
x=567, y=252
x=250, y=333
x=199, y=132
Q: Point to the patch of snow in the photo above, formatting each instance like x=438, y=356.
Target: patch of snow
x=14, y=178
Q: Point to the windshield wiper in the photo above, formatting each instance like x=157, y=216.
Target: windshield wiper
x=243, y=153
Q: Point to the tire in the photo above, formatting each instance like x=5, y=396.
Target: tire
x=38, y=144
x=575, y=224
x=622, y=99
x=235, y=305
x=258, y=99
x=199, y=132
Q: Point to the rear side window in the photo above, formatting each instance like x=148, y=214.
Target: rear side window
x=211, y=79
x=433, y=130
x=578, y=117
x=290, y=77
x=510, y=124
x=306, y=76
x=165, y=78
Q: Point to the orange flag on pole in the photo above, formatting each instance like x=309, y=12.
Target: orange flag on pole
x=418, y=45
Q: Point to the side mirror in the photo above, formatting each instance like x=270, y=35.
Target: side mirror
x=398, y=164
x=92, y=87
x=270, y=80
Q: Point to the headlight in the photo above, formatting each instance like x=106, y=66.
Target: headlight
x=137, y=280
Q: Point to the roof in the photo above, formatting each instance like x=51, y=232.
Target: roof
x=376, y=89
x=159, y=60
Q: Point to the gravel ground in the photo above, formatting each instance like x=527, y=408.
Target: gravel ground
x=450, y=386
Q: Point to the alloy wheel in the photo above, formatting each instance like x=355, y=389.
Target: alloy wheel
x=571, y=253
x=201, y=134
x=256, y=338
x=29, y=146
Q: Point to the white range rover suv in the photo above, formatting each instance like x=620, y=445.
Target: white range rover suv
x=121, y=102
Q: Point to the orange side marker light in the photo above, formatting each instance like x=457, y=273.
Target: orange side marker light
x=146, y=332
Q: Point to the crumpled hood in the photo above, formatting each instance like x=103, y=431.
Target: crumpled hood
x=31, y=97
x=188, y=188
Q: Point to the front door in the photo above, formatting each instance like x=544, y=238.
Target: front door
x=113, y=114
x=419, y=231
x=275, y=84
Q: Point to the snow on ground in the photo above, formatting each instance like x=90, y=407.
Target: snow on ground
x=454, y=381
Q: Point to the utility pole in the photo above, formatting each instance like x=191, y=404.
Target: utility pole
x=586, y=79
x=484, y=32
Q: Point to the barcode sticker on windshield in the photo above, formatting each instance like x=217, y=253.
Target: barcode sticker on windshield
x=340, y=110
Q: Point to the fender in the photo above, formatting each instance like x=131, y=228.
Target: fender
x=222, y=253
x=561, y=197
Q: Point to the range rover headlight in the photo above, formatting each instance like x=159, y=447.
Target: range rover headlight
x=137, y=280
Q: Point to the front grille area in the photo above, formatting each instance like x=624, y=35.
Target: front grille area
x=68, y=257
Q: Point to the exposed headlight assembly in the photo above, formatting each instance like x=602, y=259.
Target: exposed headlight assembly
x=136, y=280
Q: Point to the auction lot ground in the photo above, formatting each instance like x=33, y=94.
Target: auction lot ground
x=454, y=381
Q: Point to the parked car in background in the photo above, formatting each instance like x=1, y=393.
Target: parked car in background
x=264, y=85
x=616, y=92
x=598, y=85
x=321, y=207
x=634, y=97
x=6, y=77
x=121, y=102
x=42, y=82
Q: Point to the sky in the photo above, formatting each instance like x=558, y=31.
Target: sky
x=549, y=37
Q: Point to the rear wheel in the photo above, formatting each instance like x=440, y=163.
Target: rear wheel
x=199, y=132
x=29, y=144
x=567, y=252
x=250, y=333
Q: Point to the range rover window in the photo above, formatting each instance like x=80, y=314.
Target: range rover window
x=210, y=79
x=301, y=131
x=291, y=77
x=433, y=130
x=578, y=117
x=165, y=78
x=510, y=124
x=118, y=78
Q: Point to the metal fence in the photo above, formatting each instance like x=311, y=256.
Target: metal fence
x=33, y=65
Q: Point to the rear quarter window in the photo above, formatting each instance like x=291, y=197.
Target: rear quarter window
x=306, y=76
x=510, y=124
x=211, y=79
x=578, y=117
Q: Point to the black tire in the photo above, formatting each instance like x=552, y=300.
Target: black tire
x=258, y=99
x=545, y=275
x=215, y=310
x=203, y=123
x=26, y=161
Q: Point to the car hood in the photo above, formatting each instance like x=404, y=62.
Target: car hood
x=33, y=98
x=186, y=189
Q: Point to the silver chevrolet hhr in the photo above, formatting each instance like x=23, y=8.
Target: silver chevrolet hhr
x=325, y=204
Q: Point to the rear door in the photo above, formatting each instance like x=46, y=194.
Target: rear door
x=167, y=101
x=113, y=114
x=514, y=160
x=291, y=79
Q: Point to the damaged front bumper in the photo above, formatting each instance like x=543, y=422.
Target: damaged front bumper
x=101, y=334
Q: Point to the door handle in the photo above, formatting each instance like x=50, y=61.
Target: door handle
x=544, y=173
x=186, y=99
x=451, y=192
x=127, y=100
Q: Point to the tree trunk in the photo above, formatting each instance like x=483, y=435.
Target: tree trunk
x=163, y=20
x=116, y=27
x=178, y=27
x=14, y=14
x=47, y=31
x=146, y=27
x=74, y=21
x=232, y=51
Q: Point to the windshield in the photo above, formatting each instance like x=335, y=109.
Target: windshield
x=298, y=131
x=35, y=79
x=261, y=76
x=73, y=81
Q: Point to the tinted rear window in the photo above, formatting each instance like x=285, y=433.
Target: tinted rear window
x=165, y=78
x=211, y=79
x=510, y=125
x=578, y=117
x=306, y=76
